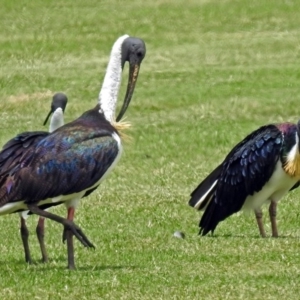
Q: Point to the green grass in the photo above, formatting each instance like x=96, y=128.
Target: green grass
x=214, y=71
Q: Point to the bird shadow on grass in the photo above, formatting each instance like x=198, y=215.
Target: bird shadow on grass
x=60, y=263
x=92, y=268
x=38, y=266
x=85, y=268
x=242, y=236
x=20, y=262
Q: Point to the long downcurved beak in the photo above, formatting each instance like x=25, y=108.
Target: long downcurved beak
x=133, y=75
x=49, y=114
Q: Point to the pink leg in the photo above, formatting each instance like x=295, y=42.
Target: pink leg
x=68, y=235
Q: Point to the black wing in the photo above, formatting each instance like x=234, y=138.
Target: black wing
x=12, y=152
x=245, y=171
x=71, y=159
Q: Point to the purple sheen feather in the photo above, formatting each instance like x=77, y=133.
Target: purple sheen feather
x=9, y=184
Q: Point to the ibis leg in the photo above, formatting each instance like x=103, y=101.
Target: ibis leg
x=40, y=232
x=68, y=235
x=259, y=219
x=24, y=236
x=272, y=213
x=65, y=222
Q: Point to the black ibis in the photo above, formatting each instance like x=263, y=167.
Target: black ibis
x=262, y=168
x=71, y=162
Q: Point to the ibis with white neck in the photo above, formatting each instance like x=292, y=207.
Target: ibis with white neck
x=71, y=162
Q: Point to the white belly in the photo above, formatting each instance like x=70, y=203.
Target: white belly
x=278, y=185
x=20, y=205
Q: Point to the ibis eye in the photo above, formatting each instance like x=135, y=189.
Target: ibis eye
x=139, y=54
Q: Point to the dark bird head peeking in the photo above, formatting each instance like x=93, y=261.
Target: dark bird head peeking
x=59, y=100
x=133, y=51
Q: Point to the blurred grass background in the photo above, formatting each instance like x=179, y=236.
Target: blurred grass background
x=214, y=71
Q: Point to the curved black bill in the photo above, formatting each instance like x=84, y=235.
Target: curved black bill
x=46, y=120
x=133, y=75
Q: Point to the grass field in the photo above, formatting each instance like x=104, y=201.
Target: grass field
x=214, y=71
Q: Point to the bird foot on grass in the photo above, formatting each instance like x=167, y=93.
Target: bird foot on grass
x=71, y=267
x=29, y=261
x=44, y=260
x=70, y=225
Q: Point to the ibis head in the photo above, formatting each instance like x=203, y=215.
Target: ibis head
x=133, y=51
x=59, y=100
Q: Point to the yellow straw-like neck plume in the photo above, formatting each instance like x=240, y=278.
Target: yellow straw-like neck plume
x=122, y=126
x=292, y=166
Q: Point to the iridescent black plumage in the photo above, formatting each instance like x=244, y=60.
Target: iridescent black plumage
x=62, y=163
x=13, y=150
x=249, y=172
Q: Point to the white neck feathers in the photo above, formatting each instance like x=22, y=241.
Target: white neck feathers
x=57, y=120
x=292, y=164
x=294, y=152
x=108, y=95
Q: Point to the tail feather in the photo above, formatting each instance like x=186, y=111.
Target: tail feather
x=203, y=194
x=215, y=213
x=211, y=217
